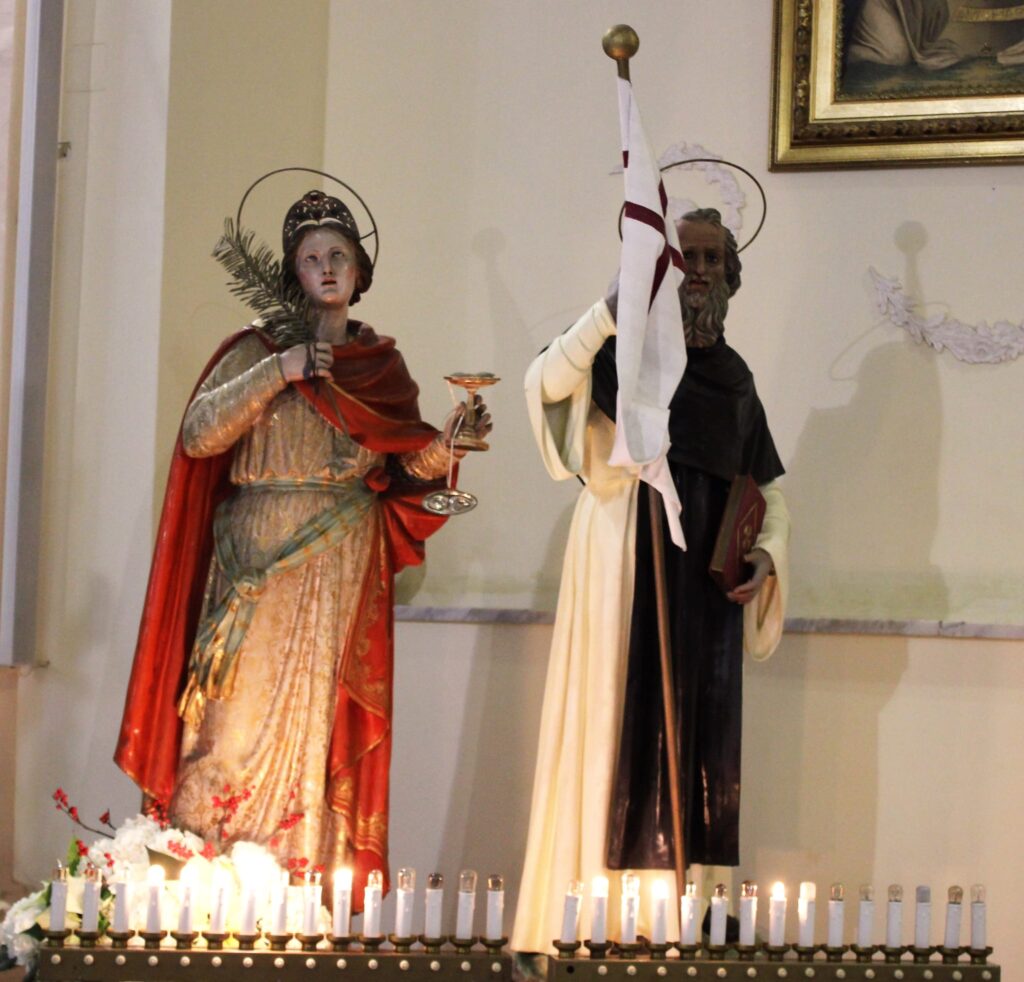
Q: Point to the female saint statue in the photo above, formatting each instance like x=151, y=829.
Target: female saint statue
x=263, y=673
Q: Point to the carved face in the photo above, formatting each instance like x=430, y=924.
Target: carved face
x=703, y=249
x=325, y=264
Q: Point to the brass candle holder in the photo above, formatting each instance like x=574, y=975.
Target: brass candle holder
x=119, y=939
x=183, y=940
x=597, y=949
x=247, y=942
x=402, y=944
x=566, y=949
x=432, y=945
x=463, y=946
x=494, y=945
x=339, y=942
x=309, y=941
x=215, y=939
x=151, y=939
x=88, y=939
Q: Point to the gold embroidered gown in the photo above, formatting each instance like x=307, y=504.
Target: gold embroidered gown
x=265, y=744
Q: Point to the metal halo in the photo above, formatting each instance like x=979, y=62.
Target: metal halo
x=322, y=173
x=728, y=163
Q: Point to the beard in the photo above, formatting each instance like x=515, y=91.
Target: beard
x=704, y=315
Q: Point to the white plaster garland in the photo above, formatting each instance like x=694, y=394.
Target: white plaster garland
x=983, y=344
x=719, y=175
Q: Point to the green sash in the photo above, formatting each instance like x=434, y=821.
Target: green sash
x=213, y=662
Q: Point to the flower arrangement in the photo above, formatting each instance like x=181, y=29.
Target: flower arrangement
x=124, y=854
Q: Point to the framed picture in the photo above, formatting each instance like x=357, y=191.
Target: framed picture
x=861, y=83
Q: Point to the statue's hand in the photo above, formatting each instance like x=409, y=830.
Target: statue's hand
x=455, y=425
x=762, y=564
x=305, y=362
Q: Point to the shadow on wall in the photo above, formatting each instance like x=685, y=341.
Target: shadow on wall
x=864, y=485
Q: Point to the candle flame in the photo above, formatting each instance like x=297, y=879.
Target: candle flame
x=599, y=886
x=659, y=890
x=155, y=875
x=343, y=877
x=778, y=890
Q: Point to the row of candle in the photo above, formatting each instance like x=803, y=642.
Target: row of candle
x=280, y=918
x=690, y=908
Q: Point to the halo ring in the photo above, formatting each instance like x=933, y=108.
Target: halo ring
x=337, y=180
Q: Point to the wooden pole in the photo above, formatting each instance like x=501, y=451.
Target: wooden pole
x=667, y=688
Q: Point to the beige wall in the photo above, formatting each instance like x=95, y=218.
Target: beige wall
x=483, y=136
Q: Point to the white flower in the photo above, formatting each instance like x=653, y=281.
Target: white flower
x=19, y=919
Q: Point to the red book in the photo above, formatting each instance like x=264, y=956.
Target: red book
x=741, y=525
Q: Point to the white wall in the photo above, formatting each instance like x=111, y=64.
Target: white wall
x=483, y=136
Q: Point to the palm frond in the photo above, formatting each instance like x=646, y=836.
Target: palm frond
x=256, y=281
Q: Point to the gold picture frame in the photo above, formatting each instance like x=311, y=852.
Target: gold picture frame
x=971, y=112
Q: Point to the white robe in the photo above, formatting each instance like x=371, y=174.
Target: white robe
x=581, y=716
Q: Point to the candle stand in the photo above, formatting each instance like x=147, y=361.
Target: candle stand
x=183, y=940
x=805, y=953
x=119, y=939
x=403, y=945
x=215, y=940
x=597, y=949
x=716, y=952
x=493, y=946
x=658, y=951
x=463, y=946
x=893, y=955
x=152, y=939
x=310, y=941
x=864, y=954
x=278, y=942
x=87, y=939
x=834, y=954
x=566, y=949
x=59, y=962
x=922, y=955
x=247, y=942
x=746, y=952
x=627, y=949
x=339, y=942
x=950, y=956
x=57, y=938
x=776, y=952
x=432, y=945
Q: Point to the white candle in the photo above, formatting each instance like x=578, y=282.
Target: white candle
x=59, y=899
x=805, y=910
x=248, y=919
x=866, y=916
x=922, y=917
x=748, y=912
x=719, y=910
x=894, y=917
x=372, y=897
x=659, y=912
x=495, y=925
x=341, y=914
x=630, y=910
x=954, y=915
x=219, y=908
x=121, y=924
x=466, y=906
x=279, y=905
x=186, y=917
x=689, y=908
x=404, y=898
x=777, y=916
x=836, y=915
x=91, y=900
x=571, y=913
x=155, y=885
x=599, y=910
x=434, y=906
x=978, y=932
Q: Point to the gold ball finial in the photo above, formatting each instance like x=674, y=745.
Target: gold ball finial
x=620, y=42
